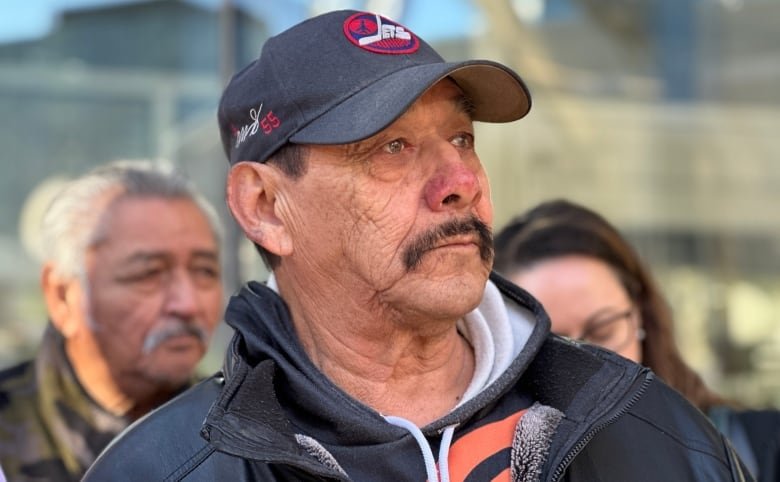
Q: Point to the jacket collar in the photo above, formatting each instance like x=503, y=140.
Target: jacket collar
x=81, y=428
x=265, y=354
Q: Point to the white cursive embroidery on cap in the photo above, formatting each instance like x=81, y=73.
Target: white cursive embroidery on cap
x=250, y=129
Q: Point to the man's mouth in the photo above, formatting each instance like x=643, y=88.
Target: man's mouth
x=181, y=342
x=457, y=242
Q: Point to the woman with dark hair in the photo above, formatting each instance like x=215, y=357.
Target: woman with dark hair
x=596, y=289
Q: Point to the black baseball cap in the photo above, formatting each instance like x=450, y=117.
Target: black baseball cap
x=343, y=76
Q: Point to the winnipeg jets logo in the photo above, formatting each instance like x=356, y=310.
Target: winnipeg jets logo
x=384, y=32
x=378, y=34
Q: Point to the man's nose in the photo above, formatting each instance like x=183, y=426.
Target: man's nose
x=454, y=184
x=182, y=295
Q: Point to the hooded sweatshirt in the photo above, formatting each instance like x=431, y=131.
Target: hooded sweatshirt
x=539, y=407
x=356, y=440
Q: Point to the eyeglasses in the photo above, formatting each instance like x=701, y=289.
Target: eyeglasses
x=613, y=331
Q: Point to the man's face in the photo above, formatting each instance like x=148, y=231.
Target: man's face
x=154, y=293
x=400, y=220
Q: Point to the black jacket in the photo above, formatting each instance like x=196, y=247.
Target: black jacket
x=270, y=415
x=755, y=435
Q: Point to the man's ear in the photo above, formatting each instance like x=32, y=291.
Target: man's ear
x=63, y=297
x=251, y=197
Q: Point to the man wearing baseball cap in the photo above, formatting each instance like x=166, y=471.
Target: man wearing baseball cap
x=382, y=347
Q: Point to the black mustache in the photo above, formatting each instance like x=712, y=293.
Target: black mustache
x=426, y=241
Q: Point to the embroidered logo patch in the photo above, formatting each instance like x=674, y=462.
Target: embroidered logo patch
x=378, y=34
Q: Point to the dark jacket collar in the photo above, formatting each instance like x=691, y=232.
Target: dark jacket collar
x=266, y=369
x=273, y=392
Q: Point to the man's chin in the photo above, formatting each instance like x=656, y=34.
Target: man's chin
x=182, y=344
x=447, y=290
x=174, y=363
x=172, y=378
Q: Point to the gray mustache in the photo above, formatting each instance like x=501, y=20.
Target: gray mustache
x=170, y=329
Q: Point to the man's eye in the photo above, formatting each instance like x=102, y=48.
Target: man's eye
x=141, y=276
x=205, y=275
x=147, y=279
x=394, y=147
x=463, y=141
x=207, y=271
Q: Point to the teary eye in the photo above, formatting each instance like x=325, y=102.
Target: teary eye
x=394, y=147
x=463, y=141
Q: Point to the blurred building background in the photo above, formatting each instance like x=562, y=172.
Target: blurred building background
x=661, y=114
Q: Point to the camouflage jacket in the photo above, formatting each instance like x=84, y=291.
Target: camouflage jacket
x=50, y=429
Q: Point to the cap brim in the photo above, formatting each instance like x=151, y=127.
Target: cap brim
x=498, y=95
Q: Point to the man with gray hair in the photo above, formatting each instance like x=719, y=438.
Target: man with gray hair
x=133, y=291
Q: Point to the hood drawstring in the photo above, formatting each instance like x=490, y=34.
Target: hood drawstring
x=444, y=453
x=434, y=475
